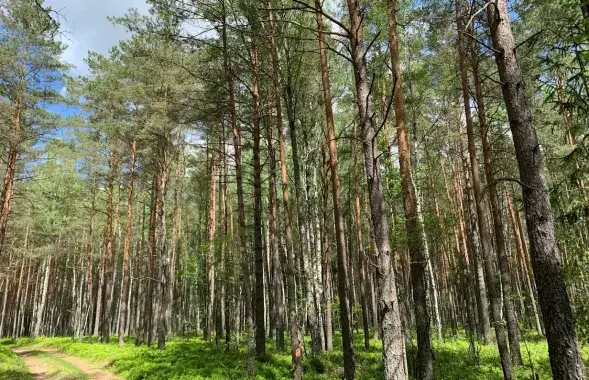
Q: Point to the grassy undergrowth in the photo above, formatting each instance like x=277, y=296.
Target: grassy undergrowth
x=12, y=367
x=196, y=359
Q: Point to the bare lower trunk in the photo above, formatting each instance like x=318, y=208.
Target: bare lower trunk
x=361, y=252
x=519, y=246
x=295, y=333
x=41, y=307
x=493, y=285
x=500, y=243
x=162, y=247
x=413, y=222
x=563, y=347
x=342, y=265
x=125, y=277
x=108, y=265
x=392, y=333
x=210, y=258
x=328, y=324
x=258, y=301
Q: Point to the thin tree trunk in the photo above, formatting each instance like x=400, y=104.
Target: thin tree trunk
x=258, y=301
x=392, y=332
x=237, y=159
x=108, y=266
x=413, y=223
x=5, y=300
x=500, y=243
x=210, y=258
x=342, y=264
x=296, y=343
x=125, y=277
x=278, y=306
x=41, y=307
x=493, y=284
x=519, y=246
x=151, y=302
x=328, y=324
x=361, y=252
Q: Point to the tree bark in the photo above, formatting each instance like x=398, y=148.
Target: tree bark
x=162, y=246
x=272, y=217
x=361, y=253
x=296, y=341
x=260, y=335
x=210, y=258
x=390, y=320
x=563, y=347
x=125, y=277
x=43, y=301
x=108, y=266
x=493, y=285
x=413, y=223
x=500, y=244
x=327, y=321
x=521, y=251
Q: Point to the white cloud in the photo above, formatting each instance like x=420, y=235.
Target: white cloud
x=87, y=29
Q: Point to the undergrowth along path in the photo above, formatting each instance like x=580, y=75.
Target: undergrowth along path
x=52, y=364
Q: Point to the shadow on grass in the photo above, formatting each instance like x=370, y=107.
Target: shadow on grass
x=15, y=375
x=7, y=342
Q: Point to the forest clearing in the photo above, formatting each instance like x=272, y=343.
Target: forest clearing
x=289, y=189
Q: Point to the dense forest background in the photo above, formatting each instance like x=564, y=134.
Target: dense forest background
x=303, y=177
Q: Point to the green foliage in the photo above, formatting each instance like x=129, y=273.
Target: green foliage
x=195, y=359
x=11, y=366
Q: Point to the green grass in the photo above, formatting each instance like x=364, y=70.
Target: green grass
x=12, y=367
x=194, y=358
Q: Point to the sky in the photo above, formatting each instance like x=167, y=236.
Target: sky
x=86, y=28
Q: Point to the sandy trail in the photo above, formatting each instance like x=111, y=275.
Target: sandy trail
x=41, y=372
x=36, y=366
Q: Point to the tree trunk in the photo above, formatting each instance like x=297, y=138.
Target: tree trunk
x=151, y=302
x=519, y=246
x=10, y=174
x=41, y=307
x=108, y=267
x=278, y=313
x=563, y=347
x=125, y=277
x=327, y=321
x=260, y=335
x=342, y=264
x=390, y=320
x=361, y=252
x=493, y=285
x=413, y=224
x=210, y=258
x=296, y=342
x=237, y=154
x=162, y=245
x=500, y=244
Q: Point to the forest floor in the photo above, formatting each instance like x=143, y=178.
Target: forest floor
x=49, y=364
x=184, y=359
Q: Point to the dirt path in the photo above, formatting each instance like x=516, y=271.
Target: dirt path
x=40, y=370
x=36, y=366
